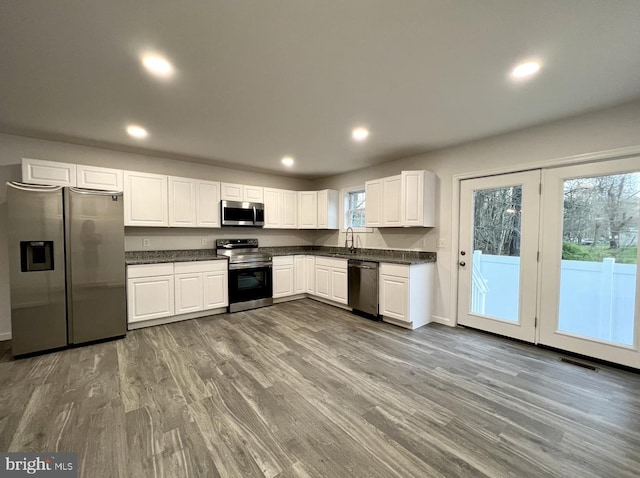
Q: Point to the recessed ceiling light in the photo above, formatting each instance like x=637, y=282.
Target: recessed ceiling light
x=525, y=70
x=287, y=161
x=360, y=134
x=157, y=65
x=137, y=131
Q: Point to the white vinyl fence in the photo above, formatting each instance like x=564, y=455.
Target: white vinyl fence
x=597, y=299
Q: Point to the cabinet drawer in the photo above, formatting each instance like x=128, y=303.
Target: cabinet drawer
x=331, y=262
x=149, y=270
x=200, y=266
x=397, y=270
x=282, y=261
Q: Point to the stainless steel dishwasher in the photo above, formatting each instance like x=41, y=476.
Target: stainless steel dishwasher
x=363, y=287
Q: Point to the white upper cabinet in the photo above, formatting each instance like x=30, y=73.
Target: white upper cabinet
x=373, y=205
x=272, y=205
x=289, y=209
x=307, y=209
x=328, y=209
x=208, y=203
x=253, y=194
x=404, y=200
x=182, y=202
x=241, y=192
x=281, y=211
x=37, y=171
x=392, y=200
x=418, y=198
x=145, y=199
x=94, y=177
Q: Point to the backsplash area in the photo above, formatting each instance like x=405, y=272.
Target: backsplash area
x=162, y=239
x=410, y=239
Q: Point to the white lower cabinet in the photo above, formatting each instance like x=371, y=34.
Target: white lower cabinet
x=156, y=291
x=323, y=279
x=150, y=292
x=299, y=274
x=339, y=285
x=310, y=274
x=331, y=279
x=406, y=294
x=216, y=293
x=189, y=293
x=283, y=276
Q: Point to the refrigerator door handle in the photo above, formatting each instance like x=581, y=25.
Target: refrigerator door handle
x=33, y=187
x=95, y=192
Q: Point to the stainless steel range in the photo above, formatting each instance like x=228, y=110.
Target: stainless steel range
x=250, y=283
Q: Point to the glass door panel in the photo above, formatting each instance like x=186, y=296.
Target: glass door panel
x=495, y=285
x=589, y=294
x=498, y=254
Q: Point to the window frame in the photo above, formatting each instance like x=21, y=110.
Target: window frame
x=344, y=196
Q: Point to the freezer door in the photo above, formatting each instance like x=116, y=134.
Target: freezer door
x=36, y=268
x=95, y=265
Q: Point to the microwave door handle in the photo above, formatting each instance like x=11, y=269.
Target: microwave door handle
x=255, y=215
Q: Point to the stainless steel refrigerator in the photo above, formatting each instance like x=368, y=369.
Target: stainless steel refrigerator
x=67, y=269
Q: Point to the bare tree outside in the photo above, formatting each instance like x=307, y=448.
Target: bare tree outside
x=497, y=220
x=601, y=218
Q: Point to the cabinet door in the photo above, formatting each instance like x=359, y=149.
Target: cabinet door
x=373, y=205
x=394, y=297
x=282, y=281
x=216, y=293
x=104, y=179
x=189, y=293
x=253, y=194
x=323, y=282
x=182, y=202
x=145, y=199
x=310, y=273
x=412, y=198
x=391, y=203
x=299, y=274
x=289, y=210
x=272, y=204
x=37, y=171
x=339, y=285
x=150, y=298
x=231, y=192
x=307, y=210
x=208, y=204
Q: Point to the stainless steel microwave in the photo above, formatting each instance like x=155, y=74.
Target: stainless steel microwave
x=236, y=213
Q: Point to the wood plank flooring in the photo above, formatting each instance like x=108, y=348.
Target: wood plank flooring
x=305, y=389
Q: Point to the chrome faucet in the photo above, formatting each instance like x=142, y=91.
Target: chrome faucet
x=350, y=243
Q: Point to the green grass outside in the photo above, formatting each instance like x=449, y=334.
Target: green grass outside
x=595, y=253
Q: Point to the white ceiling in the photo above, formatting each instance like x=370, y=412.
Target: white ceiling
x=256, y=80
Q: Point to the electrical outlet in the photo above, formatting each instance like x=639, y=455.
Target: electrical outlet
x=146, y=242
x=203, y=241
x=442, y=243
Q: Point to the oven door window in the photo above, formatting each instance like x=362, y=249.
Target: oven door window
x=249, y=284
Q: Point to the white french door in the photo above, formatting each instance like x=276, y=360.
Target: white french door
x=589, y=247
x=497, y=256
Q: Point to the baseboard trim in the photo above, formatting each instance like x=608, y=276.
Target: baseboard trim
x=175, y=318
x=442, y=320
x=5, y=336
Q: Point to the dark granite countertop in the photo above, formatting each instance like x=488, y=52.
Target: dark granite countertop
x=375, y=255
x=159, y=257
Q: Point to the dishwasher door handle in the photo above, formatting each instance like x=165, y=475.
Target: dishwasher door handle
x=363, y=267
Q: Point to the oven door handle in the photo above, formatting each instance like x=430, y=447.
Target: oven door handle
x=250, y=265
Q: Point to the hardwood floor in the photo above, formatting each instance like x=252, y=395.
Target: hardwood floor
x=306, y=389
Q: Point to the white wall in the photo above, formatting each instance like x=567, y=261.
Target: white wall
x=608, y=129
x=13, y=148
